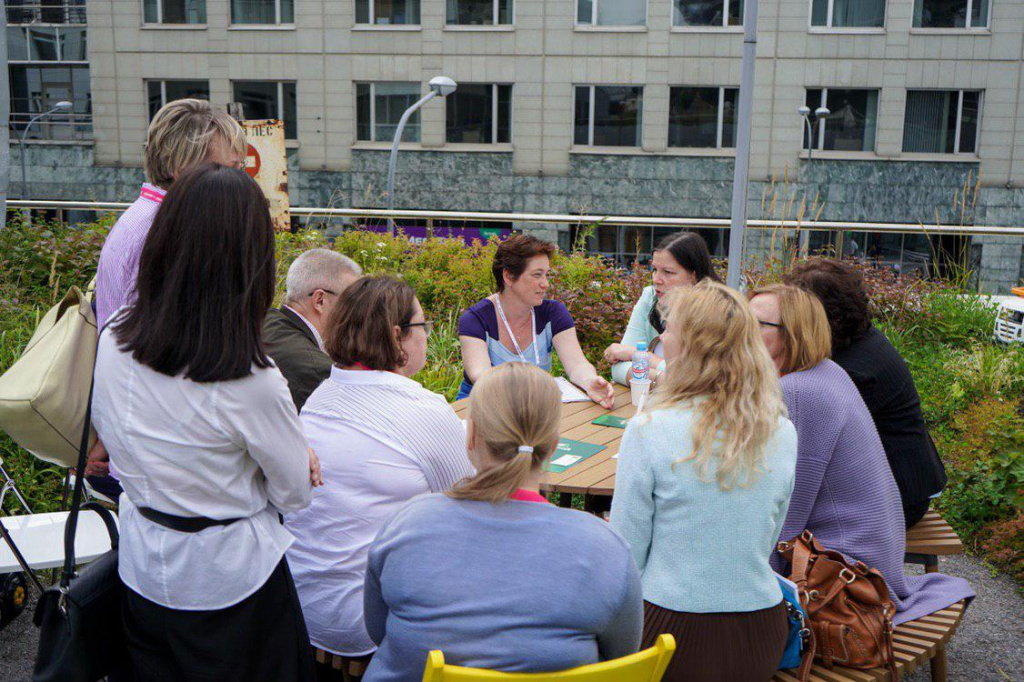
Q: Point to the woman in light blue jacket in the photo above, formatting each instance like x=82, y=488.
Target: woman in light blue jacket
x=681, y=259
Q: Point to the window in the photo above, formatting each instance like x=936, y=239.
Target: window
x=848, y=13
x=479, y=12
x=162, y=92
x=379, y=108
x=629, y=244
x=268, y=99
x=951, y=13
x=45, y=12
x=850, y=125
x=37, y=88
x=608, y=115
x=942, y=121
x=479, y=114
x=46, y=44
x=707, y=13
x=174, y=11
x=262, y=11
x=385, y=12
x=702, y=117
x=611, y=12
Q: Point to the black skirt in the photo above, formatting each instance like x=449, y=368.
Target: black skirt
x=263, y=637
x=720, y=647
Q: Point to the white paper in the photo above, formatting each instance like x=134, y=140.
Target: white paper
x=570, y=393
x=566, y=460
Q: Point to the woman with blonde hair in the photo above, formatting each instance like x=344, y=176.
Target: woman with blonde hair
x=703, y=483
x=845, y=493
x=489, y=572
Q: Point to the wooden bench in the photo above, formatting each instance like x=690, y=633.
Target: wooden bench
x=917, y=643
x=931, y=538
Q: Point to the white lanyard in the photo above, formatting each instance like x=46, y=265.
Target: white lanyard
x=533, y=328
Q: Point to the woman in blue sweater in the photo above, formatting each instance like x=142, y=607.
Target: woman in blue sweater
x=704, y=477
x=491, y=574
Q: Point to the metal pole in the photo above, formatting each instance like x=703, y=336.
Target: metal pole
x=394, y=153
x=741, y=179
x=21, y=145
x=5, y=123
x=804, y=237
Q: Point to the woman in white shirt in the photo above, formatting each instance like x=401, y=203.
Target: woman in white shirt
x=202, y=431
x=383, y=439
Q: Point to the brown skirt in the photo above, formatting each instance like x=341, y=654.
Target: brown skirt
x=720, y=647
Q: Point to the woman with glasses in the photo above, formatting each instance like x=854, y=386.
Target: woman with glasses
x=845, y=492
x=518, y=323
x=383, y=439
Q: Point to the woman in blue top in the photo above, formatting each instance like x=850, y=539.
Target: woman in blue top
x=518, y=324
x=681, y=259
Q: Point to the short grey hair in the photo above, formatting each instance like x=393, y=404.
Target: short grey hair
x=317, y=269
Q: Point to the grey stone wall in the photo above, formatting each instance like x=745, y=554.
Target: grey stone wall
x=699, y=187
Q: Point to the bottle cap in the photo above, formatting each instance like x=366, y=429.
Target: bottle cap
x=641, y=346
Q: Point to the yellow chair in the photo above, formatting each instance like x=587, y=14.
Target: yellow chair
x=645, y=666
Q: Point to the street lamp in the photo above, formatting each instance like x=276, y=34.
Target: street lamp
x=819, y=115
x=61, y=106
x=439, y=85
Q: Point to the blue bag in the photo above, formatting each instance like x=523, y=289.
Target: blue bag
x=799, y=630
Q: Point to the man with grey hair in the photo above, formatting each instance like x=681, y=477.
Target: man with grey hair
x=294, y=334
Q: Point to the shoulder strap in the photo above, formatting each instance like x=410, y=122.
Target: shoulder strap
x=76, y=498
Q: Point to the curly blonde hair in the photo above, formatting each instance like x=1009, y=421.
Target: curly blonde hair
x=724, y=373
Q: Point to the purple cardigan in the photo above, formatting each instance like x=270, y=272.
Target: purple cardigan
x=845, y=492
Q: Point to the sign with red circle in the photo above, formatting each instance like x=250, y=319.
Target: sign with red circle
x=252, y=162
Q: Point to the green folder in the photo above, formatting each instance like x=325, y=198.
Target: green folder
x=570, y=452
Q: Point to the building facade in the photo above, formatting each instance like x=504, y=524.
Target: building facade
x=621, y=107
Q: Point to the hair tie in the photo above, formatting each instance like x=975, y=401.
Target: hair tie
x=528, y=449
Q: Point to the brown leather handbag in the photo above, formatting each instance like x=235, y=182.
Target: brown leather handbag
x=848, y=605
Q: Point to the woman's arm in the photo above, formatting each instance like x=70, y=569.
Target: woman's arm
x=475, y=359
x=624, y=632
x=579, y=369
x=632, y=512
x=636, y=330
x=375, y=609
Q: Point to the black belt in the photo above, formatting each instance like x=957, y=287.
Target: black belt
x=183, y=524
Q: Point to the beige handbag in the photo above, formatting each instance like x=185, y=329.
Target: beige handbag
x=45, y=393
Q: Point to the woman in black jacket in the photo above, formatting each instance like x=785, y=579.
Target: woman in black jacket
x=881, y=376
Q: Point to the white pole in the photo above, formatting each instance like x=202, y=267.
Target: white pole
x=394, y=153
x=742, y=177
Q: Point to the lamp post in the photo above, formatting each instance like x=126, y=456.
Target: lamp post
x=819, y=115
x=439, y=85
x=61, y=106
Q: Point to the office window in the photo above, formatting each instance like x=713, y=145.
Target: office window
x=388, y=12
x=942, y=121
x=702, y=117
x=707, y=13
x=479, y=12
x=174, y=11
x=479, y=114
x=611, y=12
x=608, y=115
x=46, y=44
x=37, y=88
x=951, y=13
x=262, y=11
x=848, y=13
x=379, y=108
x=268, y=99
x=629, y=244
x=160, y=93
x=850, y=125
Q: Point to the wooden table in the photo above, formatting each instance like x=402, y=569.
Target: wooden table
x=594, y=477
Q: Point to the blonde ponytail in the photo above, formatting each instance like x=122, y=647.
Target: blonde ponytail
x=515, y=409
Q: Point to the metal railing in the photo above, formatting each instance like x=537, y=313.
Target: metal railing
x=20, y=12
x=427, y=217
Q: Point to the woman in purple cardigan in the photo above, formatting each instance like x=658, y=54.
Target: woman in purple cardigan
x=845, y=492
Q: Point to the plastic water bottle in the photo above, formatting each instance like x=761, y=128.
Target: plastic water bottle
x=641, y=370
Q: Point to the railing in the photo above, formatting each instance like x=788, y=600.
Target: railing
x=62, y=127
x=67, y=12
x=427, y=217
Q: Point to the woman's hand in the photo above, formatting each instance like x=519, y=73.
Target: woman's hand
x=98, y=461
x=316, y=476
x=601, y=392
x=618, y=352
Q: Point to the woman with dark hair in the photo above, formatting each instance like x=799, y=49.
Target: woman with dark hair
x=519, y=324
x=206, y=442
x=384, y=439
x=680, y=260
x=881, y=376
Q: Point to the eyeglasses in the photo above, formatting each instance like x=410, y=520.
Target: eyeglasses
x=326, y=291
x=428, y=326
x=777, y=325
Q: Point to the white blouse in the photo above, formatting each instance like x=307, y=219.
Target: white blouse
x=229, y=449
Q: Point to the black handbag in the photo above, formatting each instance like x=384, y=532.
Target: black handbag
x=81, y=635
